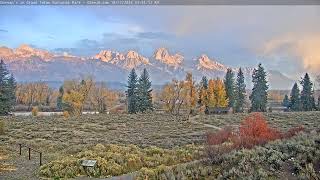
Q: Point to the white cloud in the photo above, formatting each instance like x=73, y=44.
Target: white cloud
x=304, y=47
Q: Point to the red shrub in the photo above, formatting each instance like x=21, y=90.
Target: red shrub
x=219, y=137
x=253, y=131
x=293, y=131
x=256, y=126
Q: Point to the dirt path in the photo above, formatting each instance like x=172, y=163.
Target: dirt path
x=193, y=120
x=20, y=166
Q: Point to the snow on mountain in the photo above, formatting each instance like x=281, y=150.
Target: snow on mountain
x=162, y=55
x=127, y=61
x=204, y=63
x=31, y=64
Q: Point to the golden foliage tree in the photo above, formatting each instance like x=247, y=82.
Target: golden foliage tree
x=211, y=94
x=220, y=94
x=217, y=96
x=75, y=95
x=100, y=97
x=33, y=94
x=189, y=86
x=174, y=96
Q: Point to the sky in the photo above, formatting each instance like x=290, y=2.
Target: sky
x=284, y=38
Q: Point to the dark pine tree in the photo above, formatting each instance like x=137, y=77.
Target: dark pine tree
x=286, y=102
x=7, y=90
x=318, y=105
x=132, y=92
x=295, y=103
x=59, y=98
x=230, y=87
x=240, y=92
x=259, y=91
x=144, y=92
x=203, y=87
x=307, y=99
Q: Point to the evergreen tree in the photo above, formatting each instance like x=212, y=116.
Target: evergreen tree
x=7, y=90
x=307, y=99
x=229, y=85
x=144, y=92
x=318, y=105
x=259, y=92
x=132, y=98
x=240, y=92
x=286, y=102
x=203, y=88
x=295, y=104
x=59, y=98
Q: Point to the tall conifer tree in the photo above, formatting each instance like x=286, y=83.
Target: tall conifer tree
x=240, y=92
x=230, y=87
x=7, y=90
x=286, y=102
x=259, y=91
x=144, y=92
x=132, y=98
x=307, y=99
x=295, y=103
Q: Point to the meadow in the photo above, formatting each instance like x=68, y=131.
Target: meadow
x=151, y=145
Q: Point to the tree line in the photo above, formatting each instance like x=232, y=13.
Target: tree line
x=76, y=95
x=208, y=93
x=302, y=100
x=73, y=96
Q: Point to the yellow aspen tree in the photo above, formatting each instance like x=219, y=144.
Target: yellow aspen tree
x=191, y=92
x=220, y=94
x=211, y=94
x=167, y=96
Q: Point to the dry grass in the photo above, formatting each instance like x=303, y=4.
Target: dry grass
x=56, y=136
x=281, y=120
x=2, y=127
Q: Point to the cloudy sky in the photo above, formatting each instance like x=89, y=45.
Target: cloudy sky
x=285, y=38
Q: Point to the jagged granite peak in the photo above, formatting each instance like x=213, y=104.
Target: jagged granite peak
x=26, y=51
x=205, y=63
x=162, y=55
x=32, y=64
x=129, y=60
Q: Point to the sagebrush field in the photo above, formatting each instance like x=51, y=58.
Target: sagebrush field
x=152, y=143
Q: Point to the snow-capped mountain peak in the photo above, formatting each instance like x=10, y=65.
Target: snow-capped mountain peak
x=162, y=55
x=205, y=63
x=129, y=60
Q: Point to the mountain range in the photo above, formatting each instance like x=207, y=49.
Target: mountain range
x=32, y=64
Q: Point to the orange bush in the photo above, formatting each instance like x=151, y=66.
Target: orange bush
x=255, y=126
x=253, y=131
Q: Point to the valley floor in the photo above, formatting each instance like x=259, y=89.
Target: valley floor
x=57, y=137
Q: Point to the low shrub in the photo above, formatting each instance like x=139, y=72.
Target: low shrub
x=293, y=131
x=35, y=111
x=2, y=127
x=66, y=114
x=114, y=160
x=301, y=153
x=219, y=137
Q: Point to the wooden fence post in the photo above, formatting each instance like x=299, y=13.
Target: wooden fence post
x=40, y=158
x=20, y=149
x=29, y=153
